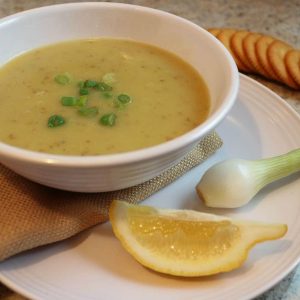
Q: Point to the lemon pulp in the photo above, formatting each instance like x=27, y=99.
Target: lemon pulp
x=201, y=239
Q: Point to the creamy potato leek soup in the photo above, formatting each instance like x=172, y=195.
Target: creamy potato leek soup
x=98, y=96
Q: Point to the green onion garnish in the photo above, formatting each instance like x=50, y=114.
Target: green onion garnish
x=88, y=111
x=83, y=91
x=63, y=78
x=108, y=119
x=55, y=121
x=82, y=100
x=68, y=101
x=90, y=83
x=221, y=185
x=102, y=86
x=124, y=99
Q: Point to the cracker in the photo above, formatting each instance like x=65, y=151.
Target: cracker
x=276, y=53
x=292, y=62
x=225, y=36
x=261, y=47
x=249, y=48
x=236, y=44
x=214, y=31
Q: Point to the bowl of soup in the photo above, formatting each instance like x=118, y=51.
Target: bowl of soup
x=103, y=96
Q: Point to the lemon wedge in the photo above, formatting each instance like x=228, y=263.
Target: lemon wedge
x=185, y=242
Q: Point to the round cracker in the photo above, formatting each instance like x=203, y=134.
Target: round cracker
x=225, y=36
x=292, y=62
x=214, y=31
x=249, y=50
x=261, y=47
x=276, y=53
x=236, y=44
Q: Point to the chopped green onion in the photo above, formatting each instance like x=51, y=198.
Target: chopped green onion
x=107, y=94
x=63, y=78
x=108, y=119
x=102, y=86
x=83, y=91
x=124, y=99
x=82, y=100
x=68, y=101
x=90, y=83
x=88, y=111
x=109, y=78
x=55, y=121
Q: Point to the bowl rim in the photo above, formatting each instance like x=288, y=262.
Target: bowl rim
x=188, y=138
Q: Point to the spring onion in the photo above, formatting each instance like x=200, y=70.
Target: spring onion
x=233, y=183
x=68, y=101
x=55, y=121
x=83, y=91
x=90, y=83
x=108, y=119
x=86, y=87
x=63, y=79
x=82, y=100
x=124, y=99
x=88, y=111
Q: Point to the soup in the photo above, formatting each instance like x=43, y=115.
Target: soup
x=98, y=96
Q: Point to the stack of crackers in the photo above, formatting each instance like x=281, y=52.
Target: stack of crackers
x=262, y=54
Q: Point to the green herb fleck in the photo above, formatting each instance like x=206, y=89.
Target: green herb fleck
x=124, y=99
x=68, y=101
x=55, y=121
x=90, y=83
x=88, y=111
x=108, y=119
x=63, y=79
x=83, y=91
x=82, y=100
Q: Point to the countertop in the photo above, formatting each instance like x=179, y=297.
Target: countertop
x=274, y=17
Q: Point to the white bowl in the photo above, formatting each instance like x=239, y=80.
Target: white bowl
x=37, y=27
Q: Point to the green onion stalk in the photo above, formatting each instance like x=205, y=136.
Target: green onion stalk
x=233, y=183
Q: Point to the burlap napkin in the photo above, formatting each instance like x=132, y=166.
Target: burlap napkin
x=32, y=215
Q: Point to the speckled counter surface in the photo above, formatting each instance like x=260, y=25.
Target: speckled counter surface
x=279, y=18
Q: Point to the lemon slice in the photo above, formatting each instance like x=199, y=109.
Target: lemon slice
x=186, y=242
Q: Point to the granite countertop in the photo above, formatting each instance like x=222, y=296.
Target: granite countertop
x=274, y=17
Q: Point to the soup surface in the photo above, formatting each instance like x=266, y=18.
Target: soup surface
x=98, y=96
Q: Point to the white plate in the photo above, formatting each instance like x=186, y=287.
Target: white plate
x=93, y=265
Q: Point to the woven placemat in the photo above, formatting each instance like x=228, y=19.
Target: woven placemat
x=32, y=215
